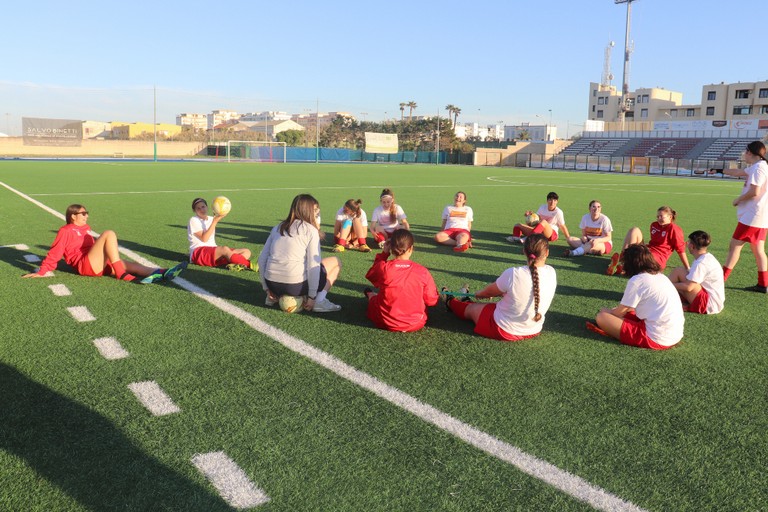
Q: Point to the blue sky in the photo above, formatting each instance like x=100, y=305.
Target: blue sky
x=497, y=60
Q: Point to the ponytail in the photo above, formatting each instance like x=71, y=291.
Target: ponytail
x=536, y=246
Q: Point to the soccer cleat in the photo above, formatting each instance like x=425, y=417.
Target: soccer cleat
x=461, y=248
x=339, y=248
x=269, y=302
x=363, y=248
x=254, y=266
x=325, y=306
x=611, y=270
x=236, y=267
x=447, y=297
x=594, y=328
x=154, y=277
x=173, y=272
x=757, y=288
x=567, y=253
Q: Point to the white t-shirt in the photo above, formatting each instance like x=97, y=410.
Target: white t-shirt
x=655, y=300
x=291, y=259
x=514, y=312
x=457, y=217
x=596, y=228
x=197, y=225
x=708, y=272
x=341, y=217
x=555, y=218
x=755, y=211
x=383, y=218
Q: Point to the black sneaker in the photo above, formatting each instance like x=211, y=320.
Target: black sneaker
x=757, y=288
x=447, y=297
x=367, y=292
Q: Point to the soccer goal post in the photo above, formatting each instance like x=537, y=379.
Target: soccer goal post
x=256, y=151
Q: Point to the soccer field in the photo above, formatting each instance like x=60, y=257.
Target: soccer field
x=251, y=407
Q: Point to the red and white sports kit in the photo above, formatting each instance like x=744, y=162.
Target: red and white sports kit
x=658, y=320
x=707, y=272
x=405, y=290
x=554, y=218
x=457, y=220
x=73, y=244
x=664, y=240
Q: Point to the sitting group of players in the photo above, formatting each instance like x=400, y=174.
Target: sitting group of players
x=649, y=315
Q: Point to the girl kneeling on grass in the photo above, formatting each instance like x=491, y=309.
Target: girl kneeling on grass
x=96, y=257
x=526, y=293
x=290, y=261
x=387, y=217
x=650, y=314
x=351, y=227
x=203, y=251
x=405, y=287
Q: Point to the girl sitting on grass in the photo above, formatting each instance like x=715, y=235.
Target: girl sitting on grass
x=405, y=287
x=351, y=227
x=457, y=224
x=650, y=314
x=387, y=217
x=701, y=287
x=596, y=232
x=526, y=293
x=203, y=251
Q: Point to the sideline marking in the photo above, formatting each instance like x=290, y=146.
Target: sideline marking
x=18, y=247
x=233, y=484
x=153, y=398
x=81, y=314
x=548, y=473
x=60, y=290
x=110, y=348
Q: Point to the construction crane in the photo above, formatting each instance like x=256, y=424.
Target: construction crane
x=607, y=75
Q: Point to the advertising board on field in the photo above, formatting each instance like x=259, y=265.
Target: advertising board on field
x=38, y=131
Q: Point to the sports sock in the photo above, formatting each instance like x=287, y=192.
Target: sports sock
x=378, y=237
x=361, y=241
x=458, y=307
x=726, y=272
x=516, y=231
x=120, y=272
x=579, y=251
x=762, y=278
x=321, y=296
x=343, y=242
x=239, y=259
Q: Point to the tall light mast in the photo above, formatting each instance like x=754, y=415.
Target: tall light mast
x=607, y=75
x=624, y=107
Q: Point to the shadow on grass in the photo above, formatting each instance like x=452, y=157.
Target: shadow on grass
x=83, y=454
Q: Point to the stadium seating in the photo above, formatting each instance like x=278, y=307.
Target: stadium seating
x=664, y=148
x=599, y=147
x=725, y=149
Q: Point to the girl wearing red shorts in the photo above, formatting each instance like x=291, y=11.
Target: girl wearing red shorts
x=650, y=314
x=526, y=293
x=95, y=257
x=752, y=211
x=203, y=251
x=457, y=224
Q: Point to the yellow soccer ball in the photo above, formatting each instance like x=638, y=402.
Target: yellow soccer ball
x=291, y=304
x=532, y=219
x=221, y=206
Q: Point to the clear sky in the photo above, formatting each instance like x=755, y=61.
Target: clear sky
x=497, y=60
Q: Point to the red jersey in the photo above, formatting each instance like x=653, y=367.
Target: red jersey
x=72, y=242
x=664, y=240
x=405, y=290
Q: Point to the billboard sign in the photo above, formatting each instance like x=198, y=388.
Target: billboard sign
x=38, y=131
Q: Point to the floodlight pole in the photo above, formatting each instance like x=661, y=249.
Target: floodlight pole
x=437, y=143
x=154, y=124
x=317, y=131
x=623, y=108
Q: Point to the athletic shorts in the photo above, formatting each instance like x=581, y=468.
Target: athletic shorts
x=659, y=256
x=488, y=328
x=633, y=333
x=540, y=229
x=84, y=268
x=203, y=256
x=699, y=304
x=454, y=232
x=608, y=248
x=749, y=234
x=296, y=289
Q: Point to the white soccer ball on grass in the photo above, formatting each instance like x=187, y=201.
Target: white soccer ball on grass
x=291, y=304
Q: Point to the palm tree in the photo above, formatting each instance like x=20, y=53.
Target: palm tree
x=402, y=111
x=450, y=108
x=411, y=106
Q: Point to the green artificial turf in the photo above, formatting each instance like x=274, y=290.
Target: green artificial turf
x=682, y=429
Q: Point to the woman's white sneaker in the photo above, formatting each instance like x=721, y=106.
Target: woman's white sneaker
x=325, y=306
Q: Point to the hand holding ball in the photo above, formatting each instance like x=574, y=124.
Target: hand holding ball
x=221, y=206
x=291, y=304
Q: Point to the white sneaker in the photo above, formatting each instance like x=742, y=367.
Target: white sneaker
x=513, y=239
x=270, y=301
x=325, y=306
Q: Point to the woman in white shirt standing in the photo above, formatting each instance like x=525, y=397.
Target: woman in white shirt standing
x=290, y=261
x=752, y=212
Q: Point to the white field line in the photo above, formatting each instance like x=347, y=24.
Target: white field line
x=81, y=314
x=31, y=258
x=18, y=247
x=231, y=481
x=60, y=290
x=110, y=348
x=153, y=398
x=607, y=187
x=568, y=483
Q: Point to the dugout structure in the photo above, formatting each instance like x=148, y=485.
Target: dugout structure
x=256, y=151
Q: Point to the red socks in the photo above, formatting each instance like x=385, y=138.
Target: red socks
x=458, y=307
x=726, y=272
x=361, y=241
x=239, y=259
x=516, y=231
x=120, y=273
x=762, y=278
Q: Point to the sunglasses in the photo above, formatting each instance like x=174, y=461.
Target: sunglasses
x=82, y=213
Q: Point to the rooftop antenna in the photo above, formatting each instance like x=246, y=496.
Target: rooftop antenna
x=607, y=75
x=624, y=107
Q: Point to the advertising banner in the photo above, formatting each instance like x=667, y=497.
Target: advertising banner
x=39, y=131
x=380, y=142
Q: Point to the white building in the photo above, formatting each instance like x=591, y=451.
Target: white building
x=196, y=121
x=217, y=117
x=532, y=132
x=266, y=116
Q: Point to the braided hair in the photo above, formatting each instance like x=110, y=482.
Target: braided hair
x=536, y=246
